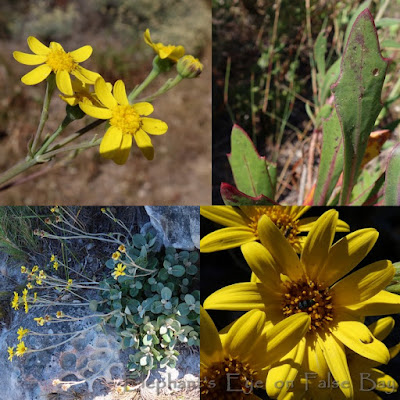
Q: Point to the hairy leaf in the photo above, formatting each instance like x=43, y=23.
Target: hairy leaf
x=392, y=185
x=357, y=95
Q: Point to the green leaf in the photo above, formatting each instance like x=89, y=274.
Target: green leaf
x=330, y=77
x=190, y=300
x=331, y=163
x=368, y=185
x=392, y=185
x=390, y=43
x=233, y=197
x=357, y=95
x=384, y=22
x=363, y=6
x=139, y=240
x=166, y=293
x=163, y=274
x=110, y=264
x=119, y=321
x=178, y=270
x=157, y=307
x=93, y=305
x=320, y=48
x=191, y=269
x=249, y=170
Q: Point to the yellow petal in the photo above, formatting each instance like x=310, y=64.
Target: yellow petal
x=381, y=328
x=210, y=343
x=177, y=53
x=226, y=238
x=143, y=108
x=111, y=142
x=357, y=337
x=37, y=46
x=63, y=81
x=95, y=112
x=363, y=284
x=281, y=376
x=147, y=37
x=382, y=303
x=271, y=237
x=104, y=94
x=143, y=141
x=318, y=243
x=121, y=156
x=335, y=357
x=81, y=54
x=56, y=46
x=154, y=126
x=120, y=93
x=85, y=75
x=224, y=215
x=314, y=361
x=242, y=296
x=37, y=75
x=244, y=334
x=285, y=335
x=305, y=224
x=29, y=59
x=384, y=383
x=262, y=264
x=297, y=211
x=346, y=254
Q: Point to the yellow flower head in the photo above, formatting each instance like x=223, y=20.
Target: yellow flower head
x=39, y=281
x=15, y=301
x=69, y=282
x=22, y=332
x=35, y=268
x=243, y=225
x=29, y=285
x=317, y=283
x=116, y=255
x=173, y=53
x=40, y=321
x=21, y=349
x=26, y=306
x=122, y=248
x=42, y=274
x=34, y=297
x=126, y=122
x=55, y=59
x=10, y=353
x=24, y=294
x=55, y=265
x=53, y=258
x=59, y=314
x=246, y=349
x=23, y=269
x=119, y=271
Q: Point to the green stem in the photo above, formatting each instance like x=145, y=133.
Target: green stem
x=165, y=88
x=51, y=84
x=54, y=136
x=17, y=169
x=139, y=89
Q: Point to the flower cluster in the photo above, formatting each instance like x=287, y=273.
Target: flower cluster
x=307, y=283
x=100, y=99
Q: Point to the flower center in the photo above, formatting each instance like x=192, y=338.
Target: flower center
x=311, y=298
x=282, y=219
x=125, y=118
x=227, y=379
x=59, y=60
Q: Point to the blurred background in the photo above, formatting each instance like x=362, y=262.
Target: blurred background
x=180, y=172
x=223, y=268
x=263, y=66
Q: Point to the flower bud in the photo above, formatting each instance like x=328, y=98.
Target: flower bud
x=189, y=67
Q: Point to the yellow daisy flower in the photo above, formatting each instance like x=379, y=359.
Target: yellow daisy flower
x=55, y=59
x=122, y=248
x=173, y=53
x=35, y=268
x=245, y=349
x=15, y=301
x=119, y=271
x=116, y=255
x=22, y=332
x=242, y=225
x=59, y=314
x=319, y=284
x=10, y=353
x=126, y=121
x=23, y=269
x=40, y=321
x=21, y=349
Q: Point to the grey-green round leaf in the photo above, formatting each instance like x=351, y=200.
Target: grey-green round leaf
x=178, y=270
x=166, y=293
x=189, y=299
